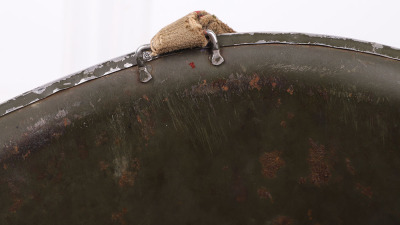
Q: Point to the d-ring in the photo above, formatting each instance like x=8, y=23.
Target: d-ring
x=216, y=58
x=144, y=75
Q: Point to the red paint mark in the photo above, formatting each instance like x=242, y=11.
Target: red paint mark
x=199, y=14
x=192, y=65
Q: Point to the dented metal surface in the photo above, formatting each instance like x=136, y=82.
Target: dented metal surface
x=225, y=40
x=277, y=134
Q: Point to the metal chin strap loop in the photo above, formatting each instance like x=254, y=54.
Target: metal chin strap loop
x=216, y=58
x=144, y=75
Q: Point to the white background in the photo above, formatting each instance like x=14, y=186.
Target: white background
x=44, y=40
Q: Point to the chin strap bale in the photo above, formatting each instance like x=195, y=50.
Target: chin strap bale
x=187, y=32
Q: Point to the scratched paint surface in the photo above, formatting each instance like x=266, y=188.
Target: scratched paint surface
x=225, y=40
x=269, y=137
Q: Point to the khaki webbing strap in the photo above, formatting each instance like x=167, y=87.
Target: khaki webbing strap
x=187, y=32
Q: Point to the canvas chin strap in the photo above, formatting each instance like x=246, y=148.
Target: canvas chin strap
x=188, y=32
x=197, y=29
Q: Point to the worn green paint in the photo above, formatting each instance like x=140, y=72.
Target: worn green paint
x=278, y=134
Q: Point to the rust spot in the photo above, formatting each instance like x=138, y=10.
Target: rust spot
x=83, y=152
x=147, y=124
x=302, y=180
x=263, y=193
x=101, y=139
x=17, y=203
x=24, y=156
x=273, y=84
x=138, y=119
x=309, y=214
x=350, y=167
x=5, y=166
x=127, y=178
x=283, y=124
x=58, y=177
x=290, y=115
x=278, y=102
x=146, y=98
x=192, y=65
x=282, y=220
x=127, y=174
x=15, y=196
x=235, y=84
x=16, y=150
x=117, y=141
x=367, y=191
x=66, y=122
x=103, y=165
x=240, y=194
x=135, y=164
x=254, y=82
x=290, y=90
x=239, y=187
x=271, y=162
x=219, y=84
x=56, y=135
x=320, y=172
x=119, y=216
x=323, y=92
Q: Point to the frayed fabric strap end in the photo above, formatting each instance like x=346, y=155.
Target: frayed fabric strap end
x=187, y=32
